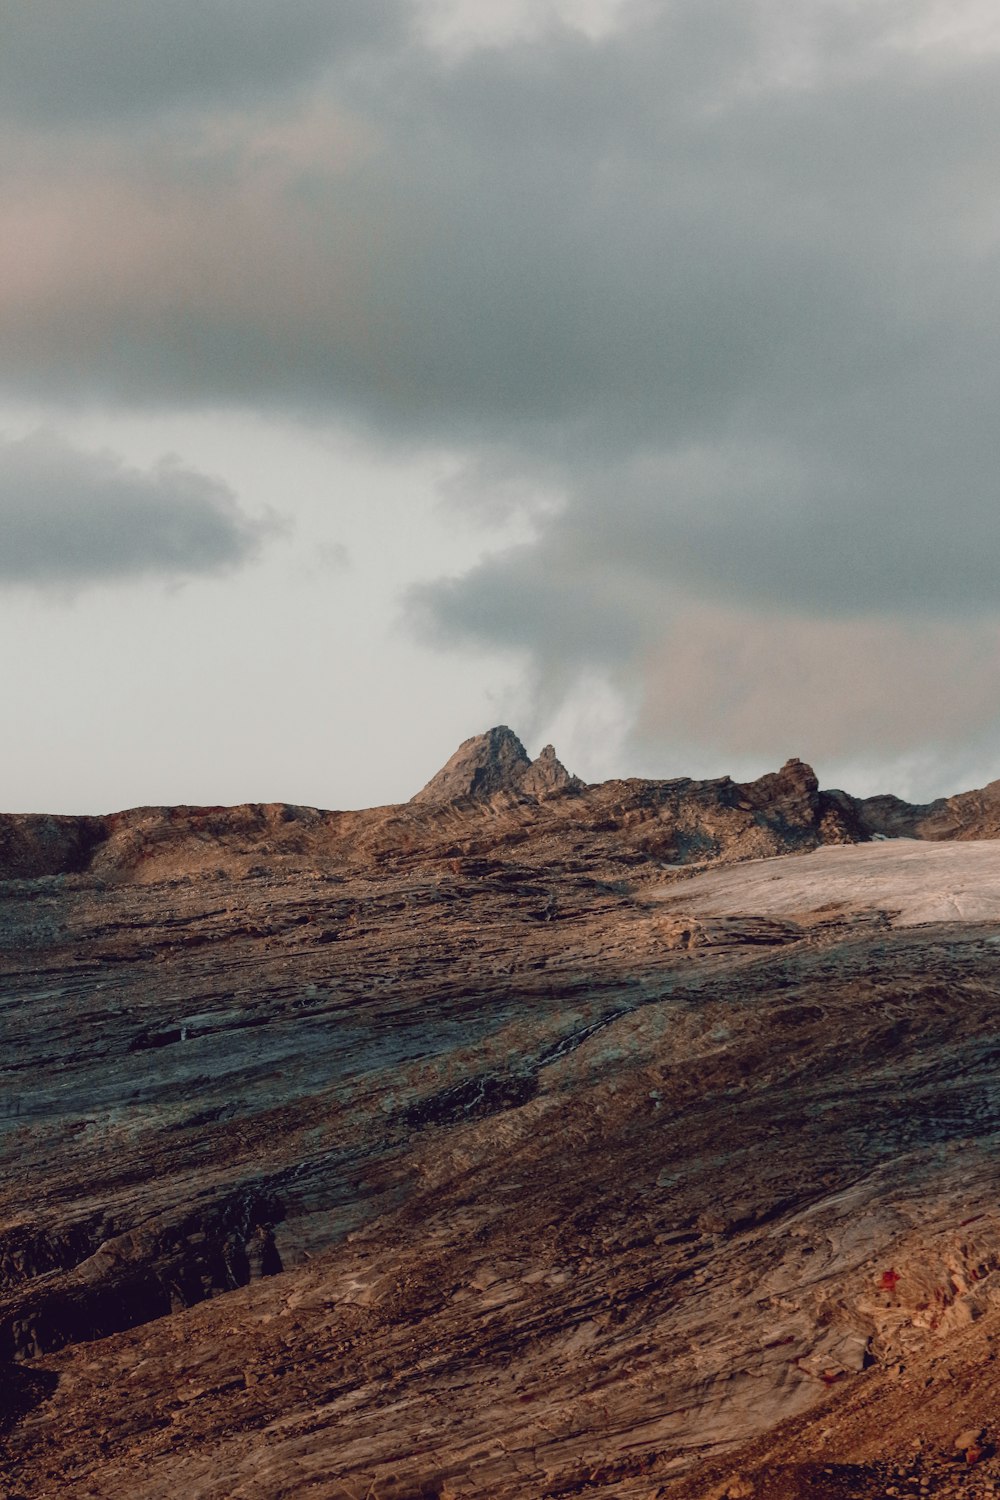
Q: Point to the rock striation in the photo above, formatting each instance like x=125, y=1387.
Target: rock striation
x=518, y=1142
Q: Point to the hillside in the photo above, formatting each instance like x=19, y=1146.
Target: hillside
x=529, y=1139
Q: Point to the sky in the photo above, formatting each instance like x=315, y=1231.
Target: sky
x=376, y=371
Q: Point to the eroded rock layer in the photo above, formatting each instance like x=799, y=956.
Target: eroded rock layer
x=480, y=1149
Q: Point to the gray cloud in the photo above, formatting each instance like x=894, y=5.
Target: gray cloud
x=725, y=278
x=567, y=246
x=562, y=242
x=128, y=59
x=70, y=517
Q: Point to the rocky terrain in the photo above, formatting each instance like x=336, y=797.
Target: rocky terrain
x=529, y=1139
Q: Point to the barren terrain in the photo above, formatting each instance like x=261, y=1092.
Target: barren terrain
x=913, y=882
x=529, y=1140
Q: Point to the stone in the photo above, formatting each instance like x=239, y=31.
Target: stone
x=479, y=1144
x=492, y=763
x=480, y=767
x=546, y=775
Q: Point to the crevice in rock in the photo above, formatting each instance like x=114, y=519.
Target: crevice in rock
x=140, y=1274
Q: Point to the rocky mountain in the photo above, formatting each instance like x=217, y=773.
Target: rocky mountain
x=529, y=1139
x=496, y=762
x=490, y=793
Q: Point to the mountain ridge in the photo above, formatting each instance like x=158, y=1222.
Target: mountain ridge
x=490, y=777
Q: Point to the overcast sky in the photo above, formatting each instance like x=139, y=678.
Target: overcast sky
x=375, y=371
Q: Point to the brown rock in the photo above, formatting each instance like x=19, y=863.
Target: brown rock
x=546, y=775
x=481, y=766
x=443, y=1149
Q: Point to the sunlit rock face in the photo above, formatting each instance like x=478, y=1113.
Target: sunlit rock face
x=528, y=1139
x=486, y=763
x=496, y=762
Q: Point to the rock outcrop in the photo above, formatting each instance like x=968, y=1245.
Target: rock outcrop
x=485, y=764
x=488, y=793
x=32, y=845
x=546, y=775
x=496, y=762
x=967, y=815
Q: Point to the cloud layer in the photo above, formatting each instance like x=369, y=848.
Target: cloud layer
x=69, y=517
x=129, y=60
x=724, y=277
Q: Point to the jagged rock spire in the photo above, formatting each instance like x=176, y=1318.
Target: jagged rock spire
x=546, y=774
x=496, y=762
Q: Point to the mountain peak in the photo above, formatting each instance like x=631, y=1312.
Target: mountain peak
x=484, y=764
x=495, y=762
x=546, y=774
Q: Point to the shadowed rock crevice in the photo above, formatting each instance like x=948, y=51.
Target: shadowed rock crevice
x=35, y=845
x=82, y=1288
x=21, y=1391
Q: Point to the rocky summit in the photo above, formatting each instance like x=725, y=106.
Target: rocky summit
x=496, y=762
x=530, y=1139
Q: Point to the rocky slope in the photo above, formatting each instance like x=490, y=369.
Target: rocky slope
x=489, y=795
x=516, y=1142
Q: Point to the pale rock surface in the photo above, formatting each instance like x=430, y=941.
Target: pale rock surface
x=913, y=881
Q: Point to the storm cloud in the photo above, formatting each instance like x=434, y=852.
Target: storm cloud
x=129, y=60
x=726, y=278
x=712, y=219
x=70, y=518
